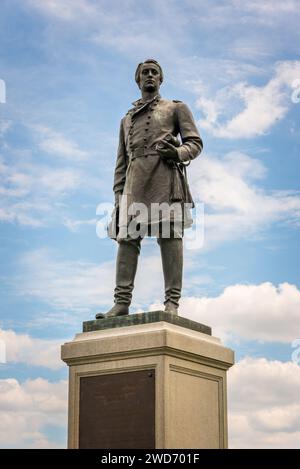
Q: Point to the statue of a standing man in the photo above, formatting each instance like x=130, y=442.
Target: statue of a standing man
x=150, y=170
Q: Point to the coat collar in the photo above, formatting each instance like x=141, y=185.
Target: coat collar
x=139, y=105
x=140, y=102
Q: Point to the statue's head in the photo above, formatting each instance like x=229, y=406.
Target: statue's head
x=149, y=75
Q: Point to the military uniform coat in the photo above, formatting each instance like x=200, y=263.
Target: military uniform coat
x=140, y=173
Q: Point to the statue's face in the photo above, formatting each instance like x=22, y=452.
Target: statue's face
x=149, y=77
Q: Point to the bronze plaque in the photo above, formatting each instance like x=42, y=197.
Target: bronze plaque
x=117, y=410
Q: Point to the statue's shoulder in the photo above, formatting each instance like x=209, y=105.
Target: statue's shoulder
x=127, y=116
x=175, y=103
x=134, y=108
x=170, y=101
x=180, y=106
x=130, y=111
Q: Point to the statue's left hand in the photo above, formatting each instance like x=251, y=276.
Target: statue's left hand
x=169, y=152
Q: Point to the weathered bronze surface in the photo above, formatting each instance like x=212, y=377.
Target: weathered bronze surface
x=117, y=410
x=144, y=318
x=157, y=139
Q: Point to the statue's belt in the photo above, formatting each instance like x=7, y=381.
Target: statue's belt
x=138, y=152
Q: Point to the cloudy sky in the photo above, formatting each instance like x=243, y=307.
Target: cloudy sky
x=66, y=79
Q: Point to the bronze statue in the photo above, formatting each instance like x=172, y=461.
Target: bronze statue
x=150, y=170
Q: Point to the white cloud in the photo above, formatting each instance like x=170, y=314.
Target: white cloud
x=74, y=225
x=21, y=348
x=268, y=7
x=263, y=106
x=30, y=193
x=67, y=10
x=56, y=144
x=123, y=27
x=72, y=286
x=26, y=409
x=5, y=125
x=33, y=186
x=264, y=409
x=262, y=312
x=126, y=41
x=232, y=200
x=234, y=13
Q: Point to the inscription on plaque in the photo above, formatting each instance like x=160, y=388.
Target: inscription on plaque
x=117, y=410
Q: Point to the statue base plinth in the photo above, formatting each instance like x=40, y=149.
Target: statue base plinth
x=147, y=381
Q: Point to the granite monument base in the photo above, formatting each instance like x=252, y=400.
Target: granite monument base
x=150, y=380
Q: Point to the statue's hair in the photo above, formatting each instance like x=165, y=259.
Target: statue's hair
x=151, y=61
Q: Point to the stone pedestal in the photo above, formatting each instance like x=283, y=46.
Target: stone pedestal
x=149, y=380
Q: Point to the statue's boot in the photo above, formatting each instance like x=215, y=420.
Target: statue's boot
x=116, y=310
x=126, y=266
x=171, y=307
x=172, y=262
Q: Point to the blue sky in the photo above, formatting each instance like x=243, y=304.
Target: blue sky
x=68, y=67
